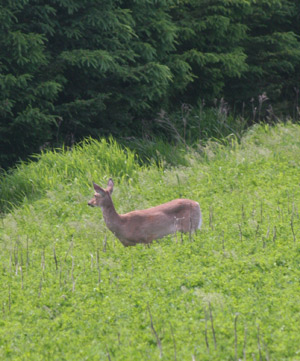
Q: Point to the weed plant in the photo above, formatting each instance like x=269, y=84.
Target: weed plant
x=190, y=127
x=71, y=291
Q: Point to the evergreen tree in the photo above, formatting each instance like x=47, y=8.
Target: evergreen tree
x=273, y=52
x=111, y=56
x=27, y=90
x=238, y=49
x=107, y=61
x=209, y=41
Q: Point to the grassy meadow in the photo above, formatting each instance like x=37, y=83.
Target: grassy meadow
x=71, y=291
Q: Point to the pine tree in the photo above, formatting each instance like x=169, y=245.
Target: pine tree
x=209, y=41
x=112, y=57
x=27, y=91
x=237, y=49
x=73, y=68
x=273, y=52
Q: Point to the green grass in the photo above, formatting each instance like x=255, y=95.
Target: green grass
x=231, y=292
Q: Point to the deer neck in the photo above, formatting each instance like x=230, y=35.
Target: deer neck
x=111, y=217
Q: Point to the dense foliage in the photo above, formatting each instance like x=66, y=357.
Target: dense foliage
x=71, y=291
x=72, y=68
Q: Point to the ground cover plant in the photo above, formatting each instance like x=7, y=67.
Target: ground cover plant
x=71, y=291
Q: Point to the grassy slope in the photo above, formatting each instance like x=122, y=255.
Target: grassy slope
x=95, y=305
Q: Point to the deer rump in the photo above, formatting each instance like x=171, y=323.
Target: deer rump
x=144, y=226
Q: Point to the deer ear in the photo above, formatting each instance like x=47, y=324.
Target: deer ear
x=98, y=189
x=110, y=185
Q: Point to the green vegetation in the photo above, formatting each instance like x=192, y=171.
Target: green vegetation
x=71, y=291
x=76, y=68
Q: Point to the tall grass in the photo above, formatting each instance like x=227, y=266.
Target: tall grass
x=186, y=129
x=198, y=125
x=193, y=126
x=87, y=161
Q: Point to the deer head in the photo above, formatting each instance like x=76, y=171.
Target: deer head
x=102, y=196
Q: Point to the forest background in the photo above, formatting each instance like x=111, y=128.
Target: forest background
x=135, y=69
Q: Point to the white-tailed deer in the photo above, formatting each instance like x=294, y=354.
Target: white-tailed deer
x=144, y=226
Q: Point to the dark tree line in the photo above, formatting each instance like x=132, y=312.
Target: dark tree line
x=72, y=68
